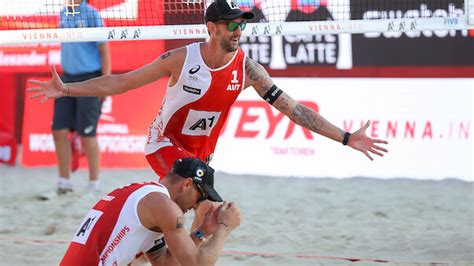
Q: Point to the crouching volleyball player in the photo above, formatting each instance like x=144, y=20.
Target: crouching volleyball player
x=148, y=218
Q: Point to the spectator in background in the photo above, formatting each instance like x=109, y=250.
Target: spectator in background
x=79, y=61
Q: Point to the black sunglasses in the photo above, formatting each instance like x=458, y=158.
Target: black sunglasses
x=203, y=196
x=232, y=25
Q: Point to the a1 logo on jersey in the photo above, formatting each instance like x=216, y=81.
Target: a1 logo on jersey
x=234, y=83
x=86, y=226
x=200, y=123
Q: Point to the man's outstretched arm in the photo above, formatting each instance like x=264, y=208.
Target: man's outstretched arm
x=259, y=78
x=108, y=84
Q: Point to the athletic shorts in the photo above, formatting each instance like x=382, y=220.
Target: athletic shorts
x=80, y=114
x=162, y=160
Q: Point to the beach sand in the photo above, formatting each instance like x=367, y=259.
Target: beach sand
x=286, y=221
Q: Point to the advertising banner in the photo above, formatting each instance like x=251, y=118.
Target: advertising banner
x=295, y=54
x=37, y=58
x=8, y=143
x=7, y=103
x=428, y=123
x=283, y=52
x=412, y=48
x=122, y=129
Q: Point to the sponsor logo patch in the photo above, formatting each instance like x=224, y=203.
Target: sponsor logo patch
x=191, y=90
x=86, y=227
x=195, y=69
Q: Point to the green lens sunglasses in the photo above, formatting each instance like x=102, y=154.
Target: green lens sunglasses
x=232, y=25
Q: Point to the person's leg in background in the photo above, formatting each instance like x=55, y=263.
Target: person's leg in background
x=63, y=121
x=92, y=152
x=88, y=113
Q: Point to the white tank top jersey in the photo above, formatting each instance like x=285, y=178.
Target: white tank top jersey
x=196, y=107
x=111, y=233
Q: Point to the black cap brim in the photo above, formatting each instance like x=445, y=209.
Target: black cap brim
x=237, y=14
x=212, y=194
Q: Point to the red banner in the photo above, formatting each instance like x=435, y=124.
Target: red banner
x=8, y=143
x=122, y=130
x=36, y=58
x=7, y=103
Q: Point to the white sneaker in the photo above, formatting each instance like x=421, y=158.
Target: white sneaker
x=64, y=186
x=94, y=188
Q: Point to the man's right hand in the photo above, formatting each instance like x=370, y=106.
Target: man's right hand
x=53, y=88
x=229, y=216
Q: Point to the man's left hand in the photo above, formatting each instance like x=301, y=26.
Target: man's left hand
x=361, y=142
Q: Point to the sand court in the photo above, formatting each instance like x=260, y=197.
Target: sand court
x=286, y=221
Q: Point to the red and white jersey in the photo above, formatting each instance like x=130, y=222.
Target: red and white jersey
x=196, y=107
x=111, y=233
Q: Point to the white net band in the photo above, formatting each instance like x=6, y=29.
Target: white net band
x=253, y=29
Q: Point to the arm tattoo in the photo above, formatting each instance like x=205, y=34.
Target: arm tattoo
x=179, y=222
x=308, y=118
x=258, y=75
x=283, y=103
x=251, y=68
x=165, y=55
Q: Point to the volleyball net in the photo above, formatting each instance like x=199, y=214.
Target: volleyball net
x=34, y=21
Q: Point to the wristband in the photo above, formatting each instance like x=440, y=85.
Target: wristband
x=347, y=135
x=272, y=94
x=66, y=91
x=199, y=234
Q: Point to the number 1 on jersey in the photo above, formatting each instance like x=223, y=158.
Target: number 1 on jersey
x=234, y=77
